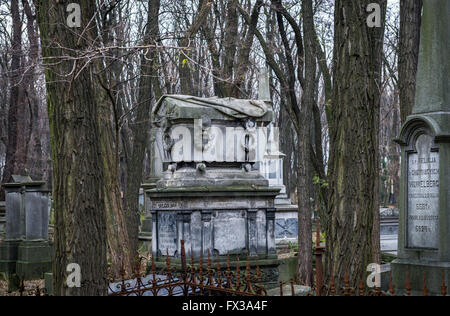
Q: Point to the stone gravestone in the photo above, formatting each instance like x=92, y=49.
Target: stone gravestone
x=25, y=251
x=2, y=218
x=286, y=216
x=389, y=230
x=424, y=228
x=211, y=194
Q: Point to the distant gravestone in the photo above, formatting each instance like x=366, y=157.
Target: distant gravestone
x=424, y=224
x=2, y=217
x=389, y=230
x=25, y=251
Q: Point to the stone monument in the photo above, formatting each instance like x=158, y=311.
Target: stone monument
x=286, y=216
x=389, y=230
x=2, y=218
x=25, y=251
x=424, y=227
x=211, y=193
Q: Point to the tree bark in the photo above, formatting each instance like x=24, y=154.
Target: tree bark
x=409, y=40
x=243, y=62
x=353, y=167
x=78, y=191
x=16, y=147
x=304, y=146
x=230, y=45
x=186, y=80
x=35, y=161
x=141, y=128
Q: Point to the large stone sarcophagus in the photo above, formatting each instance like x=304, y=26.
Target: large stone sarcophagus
x=211, y=193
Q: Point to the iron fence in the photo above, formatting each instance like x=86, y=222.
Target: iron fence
x=209, y=280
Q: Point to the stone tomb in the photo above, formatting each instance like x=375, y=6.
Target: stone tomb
x=424, y=225
x=211, y=194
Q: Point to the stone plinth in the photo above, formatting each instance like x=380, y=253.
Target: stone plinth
x=25, y=250
x=424, y=227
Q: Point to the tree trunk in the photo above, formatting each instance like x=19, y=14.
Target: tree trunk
x=409, y=40
x=304, y=146
x=35, y=161
x=119, y=256
x=78, y=191
x=186, y=80
x=353, y=168
x=230, y=45
x=16, y=145
x=141, y=129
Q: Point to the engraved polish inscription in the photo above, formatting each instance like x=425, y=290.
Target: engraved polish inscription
x=423, y=196
x=167, y=233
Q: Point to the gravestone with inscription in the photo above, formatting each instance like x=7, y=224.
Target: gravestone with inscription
x=211, y=193
x=424, y=226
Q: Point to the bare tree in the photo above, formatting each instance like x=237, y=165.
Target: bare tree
x=410, y=21
x=80, y=214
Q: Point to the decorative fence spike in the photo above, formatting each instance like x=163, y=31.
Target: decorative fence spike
x=347, y=285
x=219, y=276
x=332, y=285
x=318, y=252
x=407, y=284
x=361, y=288
x=391, y=285
x=425, y=290
x=238, y=275
x=249, y=283
x=229, y=279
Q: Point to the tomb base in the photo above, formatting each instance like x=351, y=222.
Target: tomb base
x=8, y=255
x=34, y=259
x=417, y=271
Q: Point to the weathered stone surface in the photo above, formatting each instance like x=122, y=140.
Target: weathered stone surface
x=25, y=250
x=424, y=225
x=286, y=226
x=423, y=195
x=389, y=230
x=167, y=233
x=299, y=290
x=211, y=193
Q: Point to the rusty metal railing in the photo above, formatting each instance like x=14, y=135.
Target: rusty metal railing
x=193, y=280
